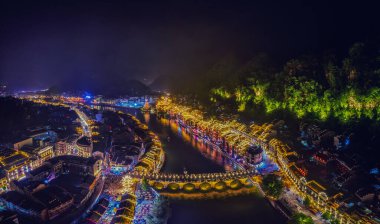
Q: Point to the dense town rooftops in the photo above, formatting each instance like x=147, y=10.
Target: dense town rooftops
x=124, y=138
x=121, y=158
x=129, y=150
x=104, y=202
x=315, y=186
x=27, y=184
x=20, y=200
x=253, y=150
x=364, y=193
x=126, y=204
x=88, y=180
x=53, y=196
x=44, y=168
x=72, y=138
x=292, y=158
x=13, y=159
x=30, y=149
x=84, y=141
x=120, y=220
x=2, y=174
x=94, y=217
x=5, y=152
x=99, y=209
x=73, y=159
x=127, y=212
x=8, y=217
x=297, y=170
x=33, y=149
x=127, y=196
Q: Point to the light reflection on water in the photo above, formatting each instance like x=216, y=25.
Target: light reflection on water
x=204, y=148
x=146, y=117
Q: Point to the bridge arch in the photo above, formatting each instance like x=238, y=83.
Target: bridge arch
x=205, y=187
x=188, y=187
x=173, y=186
x=220, y=186
x=235, y=184
x=247, y=183
x=158, y=185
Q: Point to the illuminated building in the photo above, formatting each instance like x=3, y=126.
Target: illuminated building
x=124, y=156
x=15, y=164
x=44, y=204
x=74, y=145
x=365, y=194
x=38, y=147
x=322, y=158
x=99, y=209
x=38, y=155
x=61, y=148
x=55, y=199
x=39, y=197
x=16, y=201
x=3, y=182
x=84, y=147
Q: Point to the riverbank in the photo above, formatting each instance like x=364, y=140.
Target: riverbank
x=210, y=195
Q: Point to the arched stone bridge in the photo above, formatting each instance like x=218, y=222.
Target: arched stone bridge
x=204, y=182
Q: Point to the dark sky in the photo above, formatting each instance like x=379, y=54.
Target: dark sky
x=46, y=42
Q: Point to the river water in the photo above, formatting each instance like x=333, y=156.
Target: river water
x=186, y=152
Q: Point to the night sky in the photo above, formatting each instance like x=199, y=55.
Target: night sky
x=43, y=43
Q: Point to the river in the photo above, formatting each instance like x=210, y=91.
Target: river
x=184, y=151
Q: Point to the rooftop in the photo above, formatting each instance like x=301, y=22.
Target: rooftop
x=30, y=149
x=13, y=160
x=20, y=200
x=52, y=196
x=74, y=159
x=85, y=141
x=315, y=186
x=44, y=168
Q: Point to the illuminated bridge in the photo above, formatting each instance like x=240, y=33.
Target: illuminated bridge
x=204, y=182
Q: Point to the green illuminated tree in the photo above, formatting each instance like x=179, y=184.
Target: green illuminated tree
x=326, y=215
x=307, y=202
x=144, y=184
x=332, y=75
x=272, y=185
x=300, y=218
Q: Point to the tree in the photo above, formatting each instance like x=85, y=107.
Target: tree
x=332, y=73
x=293, y=67
x=350, y=71
x=144, y=184
x=306, y=65
x=300, y=218
x=272, y=185
x=307, y=202
x=326, y=215
x=355, y=66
